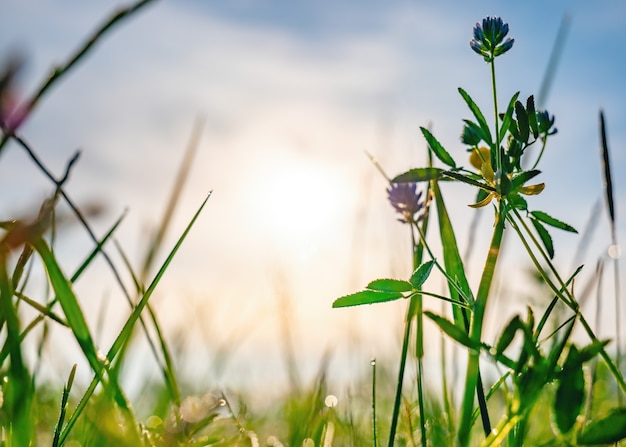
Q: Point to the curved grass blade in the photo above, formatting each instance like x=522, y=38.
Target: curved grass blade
x=69, y=304
x=126, y=331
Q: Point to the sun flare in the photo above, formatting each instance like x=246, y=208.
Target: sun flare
x=297, y=200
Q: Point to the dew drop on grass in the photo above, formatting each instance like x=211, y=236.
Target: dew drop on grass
x=308, y=442
x=331, y=401
x=221, y=403
x=615, y=251
x=373, y=362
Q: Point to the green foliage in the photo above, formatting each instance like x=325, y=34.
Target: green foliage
x=532, y=363
x=542, y=376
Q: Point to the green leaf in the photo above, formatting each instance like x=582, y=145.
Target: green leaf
x=418, y=175
x=522, y=121
x=478, y=115
x=508, y=116
x=454, y=270
x=452, y=330
x=390, y=285
x=420, y=275
x=592, y=349
x=366, y=297
x=508, y=334
x=549, y=220
x=570, y=393
x=437, y=148
x=469, y=180
x=545, y=237
x=531, y=114
x=517, y=201
x=608, y=430
x=472, y=134
x=523, y=177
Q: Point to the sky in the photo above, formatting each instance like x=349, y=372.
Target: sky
x=292, y=95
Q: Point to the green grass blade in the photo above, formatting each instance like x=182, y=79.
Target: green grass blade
x=553, y=62
x=480, y=305
x=69, y=304
x=179, y=183
x=452, y=260
x=606, y=164
x=76, y=319
x=64, y=399
x=165, y=364
x=126, y=331
x=17, y=386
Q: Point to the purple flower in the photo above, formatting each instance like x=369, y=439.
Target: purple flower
x=489, y=37
x=11, y=112
x=406, y=200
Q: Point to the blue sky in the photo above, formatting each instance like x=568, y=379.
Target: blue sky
x=292, y=94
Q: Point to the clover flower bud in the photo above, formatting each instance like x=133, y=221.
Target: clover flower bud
x=546, y=122
x=489, y=37
x=406, y=200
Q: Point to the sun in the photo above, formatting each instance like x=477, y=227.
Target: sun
x=297, y=201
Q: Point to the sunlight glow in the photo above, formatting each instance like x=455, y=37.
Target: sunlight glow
x=295, y=207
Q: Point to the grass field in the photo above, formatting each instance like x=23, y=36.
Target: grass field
x=546, y=379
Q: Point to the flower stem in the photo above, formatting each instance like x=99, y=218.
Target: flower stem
x=476, y=325
x=495, y=112
x=403, y=355
x=563, y=294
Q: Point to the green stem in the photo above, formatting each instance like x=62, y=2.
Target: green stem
x=405, y=349
x=495, y=111
x=564, y=294
x=476, y=325
x=543, y=147
x=501, y=431
x=374, y=430
x=414, y=308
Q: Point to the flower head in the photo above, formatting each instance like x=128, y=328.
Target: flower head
x=489, y=37
x=546, y=123
x=501, y=184
x=406, y=200
x=11, y=112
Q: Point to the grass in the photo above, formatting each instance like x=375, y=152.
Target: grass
x=534, y=385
